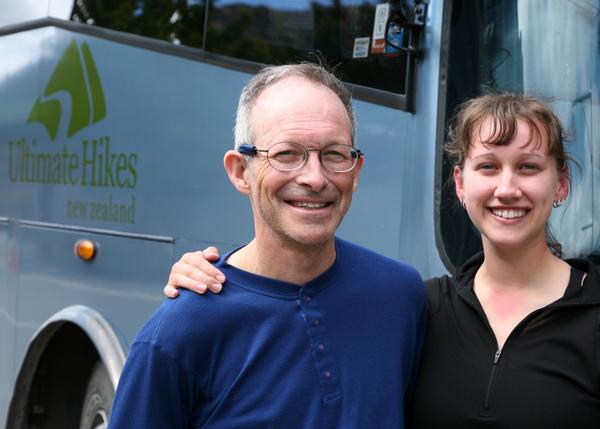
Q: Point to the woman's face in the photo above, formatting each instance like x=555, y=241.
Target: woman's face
x=508, y=190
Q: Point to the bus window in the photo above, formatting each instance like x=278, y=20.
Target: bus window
x=287, y=31
x=179, y=22
x=502, y=45
x=340, y=33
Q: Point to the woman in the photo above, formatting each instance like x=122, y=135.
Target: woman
x=514, y=338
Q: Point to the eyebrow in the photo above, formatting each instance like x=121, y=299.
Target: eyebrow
x=313, y=146
x=524, y=155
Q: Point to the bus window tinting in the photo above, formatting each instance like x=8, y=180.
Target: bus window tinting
x=501, y=45
x=176, y=21
x=289, y=31
x=267, y=31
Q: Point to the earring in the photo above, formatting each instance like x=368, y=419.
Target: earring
x=463, y=204
x=557, y=203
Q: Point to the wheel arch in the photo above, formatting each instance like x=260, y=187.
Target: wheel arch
x=100, y=332
x=79, y=324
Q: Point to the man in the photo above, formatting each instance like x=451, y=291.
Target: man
x=306, y=333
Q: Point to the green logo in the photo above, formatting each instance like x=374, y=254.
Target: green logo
x=82, y=82
x=92, y=162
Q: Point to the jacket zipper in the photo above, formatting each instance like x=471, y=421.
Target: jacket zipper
x=520, y=327
x=486, y=402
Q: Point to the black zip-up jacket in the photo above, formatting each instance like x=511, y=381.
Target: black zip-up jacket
x=547, y=375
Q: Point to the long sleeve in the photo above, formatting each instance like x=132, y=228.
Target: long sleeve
x=154, y=391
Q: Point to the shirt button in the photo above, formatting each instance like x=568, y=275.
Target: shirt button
x=306, y=298
x=316, y=322
x=327, y=374
x=321, y=347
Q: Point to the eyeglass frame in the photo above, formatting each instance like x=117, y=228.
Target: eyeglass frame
x=251, y=150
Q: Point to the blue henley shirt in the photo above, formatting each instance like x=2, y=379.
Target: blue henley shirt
x=338, y=352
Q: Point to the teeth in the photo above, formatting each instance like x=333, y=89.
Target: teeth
x=509, y=214
x=306, y=205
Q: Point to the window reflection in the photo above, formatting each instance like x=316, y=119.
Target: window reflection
x=176, y=21
x=14, y=12
x=550, y=48
x=337, y=32
x=560, y=48
x=276, y=32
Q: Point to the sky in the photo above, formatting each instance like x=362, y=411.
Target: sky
x=15, y=11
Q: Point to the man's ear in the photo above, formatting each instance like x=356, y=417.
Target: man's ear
x=236, y=168
x=458, y=183
x=357, y=168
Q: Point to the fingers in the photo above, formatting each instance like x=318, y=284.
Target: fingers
x=195, y=272
x=198, y=266
x=195, y=283
x=211, y=253
x=170, y=291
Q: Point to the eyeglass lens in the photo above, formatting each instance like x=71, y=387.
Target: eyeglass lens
x=288, y=156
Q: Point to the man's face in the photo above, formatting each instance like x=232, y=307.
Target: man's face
x=304, y=206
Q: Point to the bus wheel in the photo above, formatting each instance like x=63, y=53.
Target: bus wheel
x=98, y=400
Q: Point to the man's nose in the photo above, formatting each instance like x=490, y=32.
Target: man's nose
x=312, y=173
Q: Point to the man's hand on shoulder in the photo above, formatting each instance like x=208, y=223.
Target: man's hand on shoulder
x=195, y=272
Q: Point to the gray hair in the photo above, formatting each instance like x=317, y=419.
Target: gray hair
x=244, y=132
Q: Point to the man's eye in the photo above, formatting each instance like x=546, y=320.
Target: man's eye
x=289, y=154
x=335, y=155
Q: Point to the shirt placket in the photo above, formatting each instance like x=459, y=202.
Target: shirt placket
x=325, y=364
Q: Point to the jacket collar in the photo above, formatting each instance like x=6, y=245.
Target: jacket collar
x=590, y=292
x=591, y=285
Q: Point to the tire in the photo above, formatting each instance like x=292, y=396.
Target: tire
x=98, y=400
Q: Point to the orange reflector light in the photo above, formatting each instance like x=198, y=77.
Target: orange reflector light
x=85, y=249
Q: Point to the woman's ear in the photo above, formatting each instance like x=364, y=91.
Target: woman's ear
x=458, y=183
x=236, y=167
x=563, y=185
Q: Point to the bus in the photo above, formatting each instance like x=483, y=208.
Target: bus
x=115, y=114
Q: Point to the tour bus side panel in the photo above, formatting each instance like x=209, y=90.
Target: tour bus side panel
x=393, y=210
x=155, y=130
x=20, y=57
x=137, y=174
x=122, y=281
x=7, y=315
x=119, y=284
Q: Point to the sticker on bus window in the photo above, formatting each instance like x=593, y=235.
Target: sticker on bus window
x=361, y=47
x=395, y=35
x=382, y=11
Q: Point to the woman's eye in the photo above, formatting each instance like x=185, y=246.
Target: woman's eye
x=486, y=166
x=529, y=167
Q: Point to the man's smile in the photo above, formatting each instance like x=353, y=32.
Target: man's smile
x=308, y=205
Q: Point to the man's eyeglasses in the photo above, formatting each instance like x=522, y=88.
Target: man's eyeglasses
x=289, y=156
